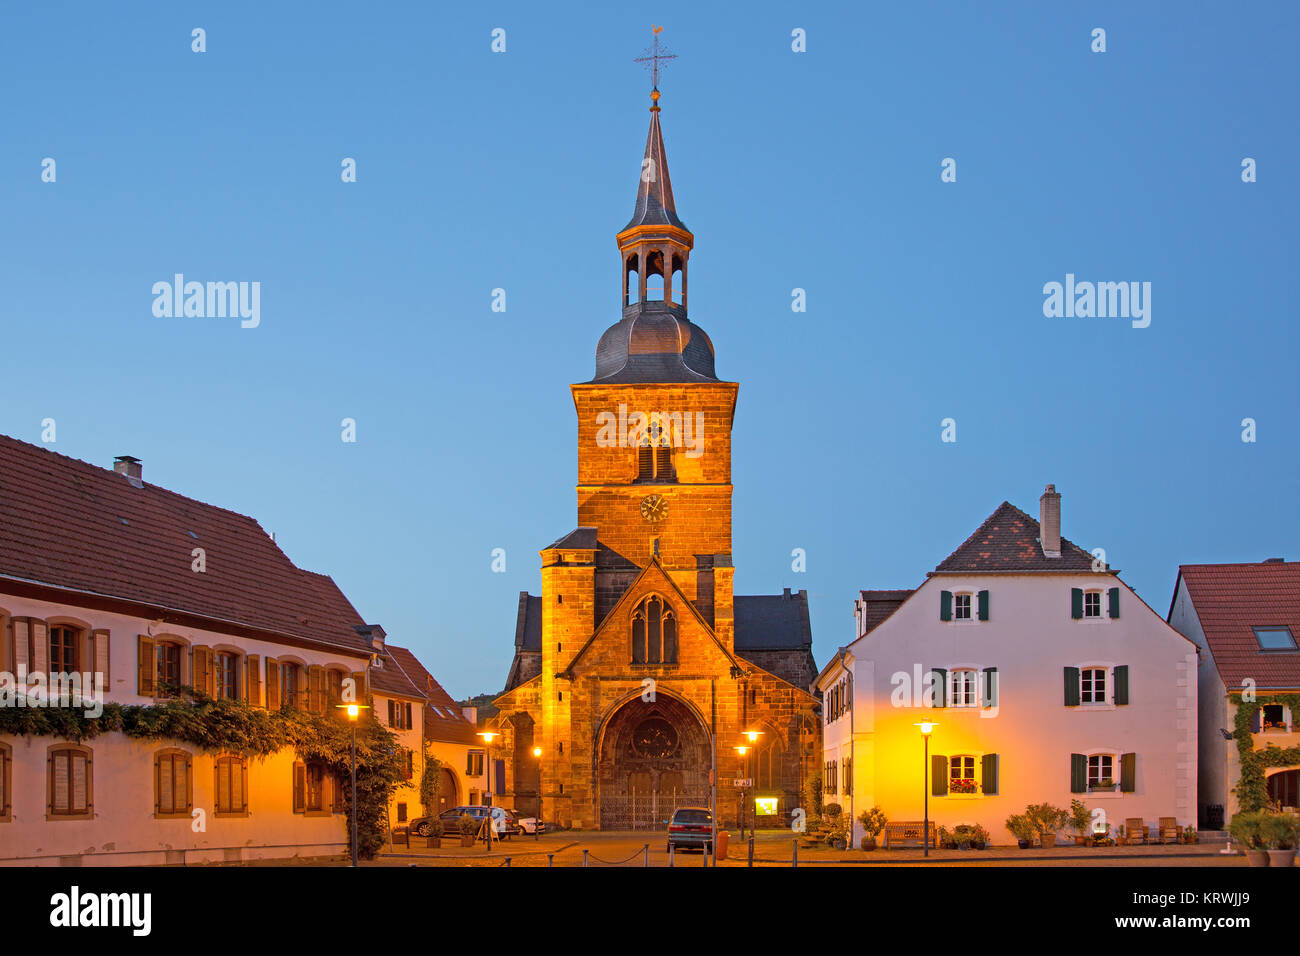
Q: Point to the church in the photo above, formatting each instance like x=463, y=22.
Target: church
x=637, y=672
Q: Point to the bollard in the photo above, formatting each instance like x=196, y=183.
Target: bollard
x=584, y=857
x=647, y=854
x=550, y=859
x=751, y=848
x=507, y=863
x=794, y=860
x=670, y=856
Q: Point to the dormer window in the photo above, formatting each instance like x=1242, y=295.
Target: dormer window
x=1275, y=638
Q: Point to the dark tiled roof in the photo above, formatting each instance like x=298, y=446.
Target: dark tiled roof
x=579, y=539
x=654, y=342
x=772, y=622
x=1232, y=599
x=528, y=623
x=70, y=524
x=879, y=605
x=654, y=193
x=389, y=676
x=1008, y=541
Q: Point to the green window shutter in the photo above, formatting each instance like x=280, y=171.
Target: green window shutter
x=1113, y=594
x=940, y=686
x=1128, y=773
x=1121, y=684
x=1072, y=687
x=989, y=774
x=945, y=605
x=1076, y=603
x=984, y=605
x=938, y=776
x=990, y=687
x=1078, y=773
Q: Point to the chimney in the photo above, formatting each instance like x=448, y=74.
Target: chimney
x=470, y=714
x=1049, y=522
x=373, y=633
x=130, y=468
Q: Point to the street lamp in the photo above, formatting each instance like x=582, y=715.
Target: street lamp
x=743, y=750
x=926, y=727
x=353, y=711
x=488, y=736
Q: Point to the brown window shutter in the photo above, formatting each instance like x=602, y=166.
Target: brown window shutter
x=301, y=687
x=146, y=665
x=201, y=668
x=21, y=655
x=359, y=678
x=299, y=788
x=272, y=684
x=40, y=662
x=408, y=717
x=391, y=714
x=253, y=683
x=99, y=644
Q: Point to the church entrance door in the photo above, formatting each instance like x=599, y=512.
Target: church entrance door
x=654, y=758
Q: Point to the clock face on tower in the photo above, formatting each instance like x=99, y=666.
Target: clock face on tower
x=654, y=507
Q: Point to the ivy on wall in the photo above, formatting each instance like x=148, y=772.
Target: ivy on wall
x=231, y=726
x=1251, y=788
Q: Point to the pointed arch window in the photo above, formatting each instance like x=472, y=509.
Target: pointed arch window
x=655, y=460
x=654, y=632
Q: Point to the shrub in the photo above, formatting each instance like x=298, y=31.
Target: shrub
x=832, y=812
x=1247, y=828
x=1019, y=826
x=1080, y=817
x=873, y=821
x=467, y=825
x=1045, y=818
x=1278, y=830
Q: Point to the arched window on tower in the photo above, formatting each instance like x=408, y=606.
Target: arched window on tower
x=655, y=457
x=654, y=282
x=679, y=272
x=631, y=282
x=654, y=632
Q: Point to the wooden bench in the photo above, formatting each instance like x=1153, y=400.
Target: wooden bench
x=908, y=833
x=402, y=835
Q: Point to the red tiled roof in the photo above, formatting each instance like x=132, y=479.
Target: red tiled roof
x=70, y=524
x=879, y=605
x=1230, y=600
x=1008, y=541
x=446, y=722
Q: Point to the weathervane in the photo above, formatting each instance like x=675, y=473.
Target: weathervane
x=651, y=59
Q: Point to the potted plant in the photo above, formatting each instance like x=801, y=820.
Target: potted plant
x=468, y=828
x=1120, y=838
x=1104, y=784
x=979, y=837
x=1046, y=820
x=433, y=834
x=1246, y=828
x=1189, y=834
x=1019, y=827
x=1278, y=830
x=1080, y=820
x=873, y=821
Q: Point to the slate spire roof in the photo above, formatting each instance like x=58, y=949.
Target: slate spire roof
x=654, y=193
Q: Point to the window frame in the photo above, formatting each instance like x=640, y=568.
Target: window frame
x=53, y=752
x=242, y=763
x=218, y=674
x=641, y=644
x=1114, y=759
x=974, y=688
x=1088, y=685
x=1096, y=594
x=170, y=754
x=974, y=775
x=72, y=646
x=1275, y=628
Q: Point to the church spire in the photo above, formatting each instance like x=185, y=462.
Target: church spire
x=655, y=243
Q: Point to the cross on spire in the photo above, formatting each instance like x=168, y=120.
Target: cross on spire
x=652, y=58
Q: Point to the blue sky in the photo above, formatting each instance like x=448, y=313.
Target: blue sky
x=816, y=170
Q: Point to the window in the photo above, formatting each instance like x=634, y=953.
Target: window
x=1091, y=604
x=408, y=763
x=399, y=715
x=1101, y=772
x=848, y=776
x=316, y=695
x=69, y=783
x=309, y=787
x=965, y=688
x=1092, y=685
x=288, y=684
x=474, y=764
x=6, y=783
x=169, y=668
x=231, y=797
x=654, y=632
x=401, y=813
x=172, y=793
x=961, y=607
x=655, y=459
x=334, y=687
x=1273, y=718
x=63, y=650
x=961, y=774
x=1275, y=639
x=223, y=666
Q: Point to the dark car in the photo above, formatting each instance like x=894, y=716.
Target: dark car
x=449, y=820
x=691, y=827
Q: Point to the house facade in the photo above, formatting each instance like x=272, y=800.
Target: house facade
x=119, y=592
x=1047, y=679
x=1245, y=618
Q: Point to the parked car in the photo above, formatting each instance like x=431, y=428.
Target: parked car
x=691, y=827
x=529, y=825
x=449, y=819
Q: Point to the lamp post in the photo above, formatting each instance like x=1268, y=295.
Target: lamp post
x=926, y=727
x=743, y=750
x=488, y=736
x=353, y=712
x=537, y=820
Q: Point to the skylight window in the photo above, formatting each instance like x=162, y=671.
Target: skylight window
x=1275, y=639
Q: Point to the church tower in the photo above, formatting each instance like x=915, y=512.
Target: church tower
x=636, y=668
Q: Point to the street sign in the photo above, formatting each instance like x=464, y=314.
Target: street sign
x=743, y=782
